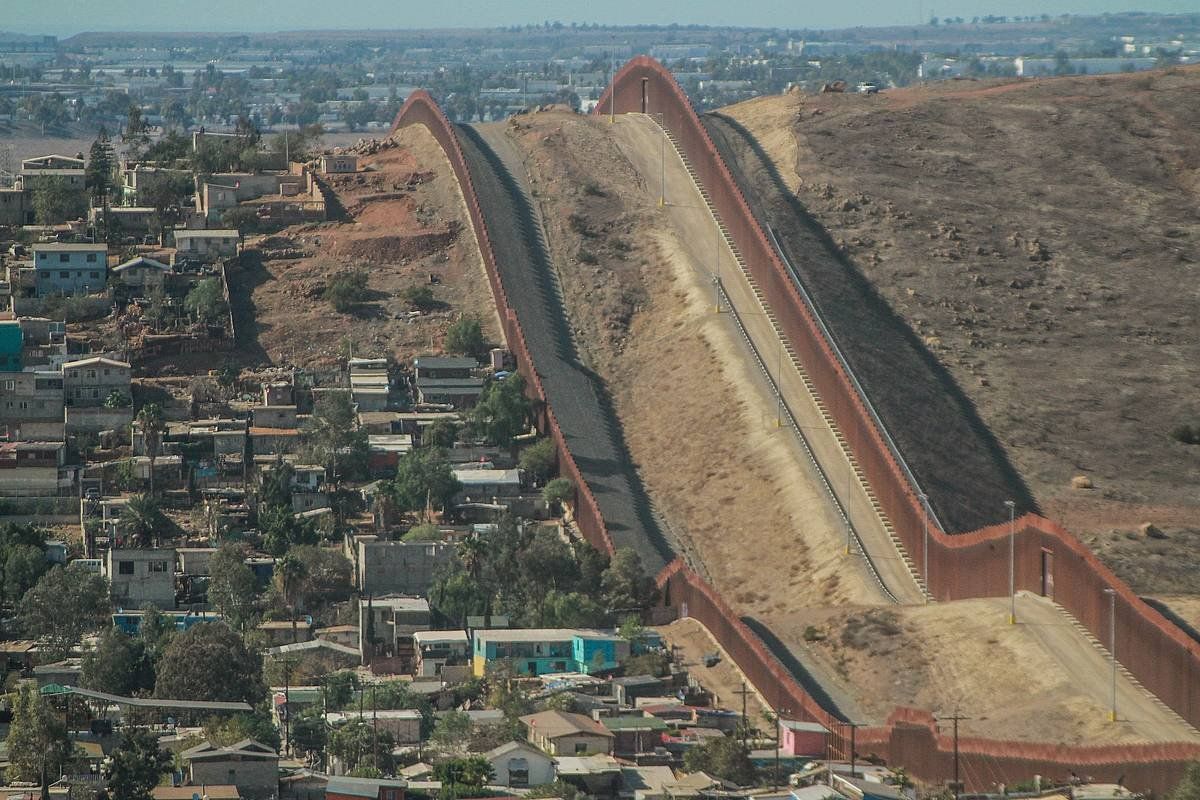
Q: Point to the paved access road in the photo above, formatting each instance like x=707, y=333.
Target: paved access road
x=641, y=141
x=577, y=396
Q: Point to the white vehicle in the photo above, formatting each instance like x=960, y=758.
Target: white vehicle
x=868, y=88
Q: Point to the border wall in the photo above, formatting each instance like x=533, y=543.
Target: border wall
x=421, y=109
x=1048, y=559
x=961, y=566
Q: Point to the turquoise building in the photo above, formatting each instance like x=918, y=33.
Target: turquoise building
x=545, y=651
x=11, y=341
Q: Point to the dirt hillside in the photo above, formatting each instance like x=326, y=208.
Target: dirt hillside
x=401, y=219
x=1041, y=239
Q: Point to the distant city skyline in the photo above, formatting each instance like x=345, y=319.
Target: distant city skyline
x=68, y=17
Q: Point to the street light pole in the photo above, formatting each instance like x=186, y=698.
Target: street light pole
x=717, y=271
x=925, y=548
x=1012, y=561
x=1112, y=647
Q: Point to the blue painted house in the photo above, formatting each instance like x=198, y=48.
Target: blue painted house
x=69, y=268
x=542, y=651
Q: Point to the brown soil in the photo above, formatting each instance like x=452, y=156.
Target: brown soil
x=703, y=441
x=691, y=642
x=1041, y=238
x=405, y=223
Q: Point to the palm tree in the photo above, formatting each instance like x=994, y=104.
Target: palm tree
x=292, y=573
x=473, y=552
x=151, y=420
x=143, y=520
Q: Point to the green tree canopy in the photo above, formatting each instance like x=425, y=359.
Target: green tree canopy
x=143, y=521
x=118, y=665
x=206, y=301
x=538, y=460
x=465, y=337
x=62, y=606
x=137, y=765
x=55, y=200
x=469, y=772
x=232, y=586
x=558, y=490
x=99, y=171
x=356, y=743
x=209, y=662
x=38, y=744
x=503, y=411
x=424, y=474
x=24, y=564
x=724, y=757
x=625, y=584
x=334, y=438
x=1189, y=787
x=281, y=529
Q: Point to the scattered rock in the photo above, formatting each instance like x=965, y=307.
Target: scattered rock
x=1149, y=530
x=1081, y=482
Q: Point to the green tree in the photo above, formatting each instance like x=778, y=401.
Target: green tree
x=98, y=174
x=451, y=731
x=164, y=192
x=156, y=632
x=137, y=131
x=24, y=564
x=118, y=665
x=559, y=490
x=465, y=337
x=469, y=772
x=625, y=584
x=229, y=730
x=62, y=606
x=291, y=575
x=571, y=610
x=538, y=460
x=143, y=521
x=356, y=744
x=232, y=586
x=276, y=488
x=137, y=765
x=209, y=662
x=153, y=425
x=722, y=756
x=456, y=596
x=1189, y=787
x=347, y=289
x=326, y=573
x=425, y=532
x=206, y=302
x=38, y=744
x=503, y=412
x=424, y=475
x=441, y=433
x=55, y=200
x=334, y=437
x=419, y=297
x=281, y=529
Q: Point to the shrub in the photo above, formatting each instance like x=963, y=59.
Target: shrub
x=592, y=188
x=465, y=337
x=419, y=297
x=558, y=490
x=347, y=289
x=586, y=256
x=579, y=224
x=206, y=301
x=1187, y=434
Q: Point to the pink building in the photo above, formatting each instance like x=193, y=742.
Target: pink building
x=803, y=738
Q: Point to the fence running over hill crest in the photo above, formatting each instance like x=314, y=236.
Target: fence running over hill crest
x=1049, y=559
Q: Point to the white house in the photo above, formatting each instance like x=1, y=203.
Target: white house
x=520, y=765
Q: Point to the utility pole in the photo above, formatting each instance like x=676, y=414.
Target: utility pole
x=779, y=386
x=374, y=730
x=745, y=723
x=925, y=547
x=717, y=269
x=1112, y=647
x=1012, y=561
x=853, y=770
x=956, y=718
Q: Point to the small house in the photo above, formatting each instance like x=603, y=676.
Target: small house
x=206, y=246
x=520, y=765
x=251, y=766
x=797, y=738
x=141, y=275
x=334, y=164
x=563, y=734
x=69, y=268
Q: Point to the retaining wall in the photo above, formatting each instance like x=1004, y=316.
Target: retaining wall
x=1048, y=559
x=421, y=109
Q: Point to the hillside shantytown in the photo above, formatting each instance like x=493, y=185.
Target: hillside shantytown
x=645, y=413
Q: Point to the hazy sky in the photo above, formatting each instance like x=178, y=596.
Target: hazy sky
x=65, y=17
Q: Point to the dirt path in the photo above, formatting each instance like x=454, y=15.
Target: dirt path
x=692, y=222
